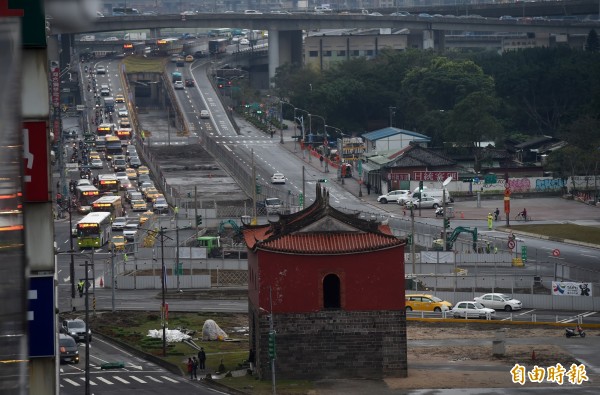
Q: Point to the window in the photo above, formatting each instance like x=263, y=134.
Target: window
x=369, y=52
x=341, y=53
x=313, y=54
x=326, y=53
x=331, y=292
x=355, y=52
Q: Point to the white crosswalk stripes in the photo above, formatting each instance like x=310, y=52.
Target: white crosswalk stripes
x=99, y=379
x=137, y=379
x=122, y=380
x=76, y=384
x=104, y=380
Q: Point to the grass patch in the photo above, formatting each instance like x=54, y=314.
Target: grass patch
x=132, y=328
x=139, y=64
x=586, y=234
x=252, y=385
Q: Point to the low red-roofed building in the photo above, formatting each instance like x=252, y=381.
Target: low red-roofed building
x=335, y=286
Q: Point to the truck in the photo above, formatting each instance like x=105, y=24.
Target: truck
x=218, y=46
x=176, y=76
x=134, y=36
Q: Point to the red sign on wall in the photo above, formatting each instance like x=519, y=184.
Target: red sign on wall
x=434, y=175
x=35, y=155
x=55, y=88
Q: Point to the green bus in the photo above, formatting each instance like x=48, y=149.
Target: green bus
x=94, y=230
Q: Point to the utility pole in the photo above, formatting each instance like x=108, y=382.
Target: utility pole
x=113, y=278
x=163, y=287
x=412, y=232
x=87, y=326
x=303, y=189
x=392, y=113
x=253, y=189
x=72, y=266
x=177, y=249
x=196, y=206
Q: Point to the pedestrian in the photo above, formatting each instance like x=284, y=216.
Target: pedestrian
x=368, y=188
x=195, y=368
x=80, y=286
x=202, y=358
x=190, y=368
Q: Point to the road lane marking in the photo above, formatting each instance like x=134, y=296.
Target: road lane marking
x=121, y=380
x=76, y=384
x=91, y=382
x=153, y=379
x=169, y=379
x=104, y=380
x=590, y=256
x=138, y=379
x=526, y=312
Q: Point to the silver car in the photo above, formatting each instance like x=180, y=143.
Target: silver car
x=499, y=301
x=472, y=309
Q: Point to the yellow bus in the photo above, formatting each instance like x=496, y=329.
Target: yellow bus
x=110, y=204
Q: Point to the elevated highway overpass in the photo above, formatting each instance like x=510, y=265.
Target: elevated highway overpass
x=285, y=31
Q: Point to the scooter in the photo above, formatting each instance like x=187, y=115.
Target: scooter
x=439, y=212
x=569, y=332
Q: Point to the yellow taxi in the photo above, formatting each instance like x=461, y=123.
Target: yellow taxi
x=131, y=173
x=138, y=205
x=426, y=302
x=119, y=98
x=94, y=155
x=146, y=216
x=151, y=194
x=117, y=242
x=143, y=170
x=189, y=58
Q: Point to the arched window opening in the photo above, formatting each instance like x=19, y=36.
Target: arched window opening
x=331, y=292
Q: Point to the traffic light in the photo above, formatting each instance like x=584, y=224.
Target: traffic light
x=409, y=240
x=446, y=223
x=258, y=188
x=198, y=220
x=272, y=351
x=420, y=185
x=301, y=199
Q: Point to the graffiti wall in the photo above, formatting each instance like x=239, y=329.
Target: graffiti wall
x=524, y=184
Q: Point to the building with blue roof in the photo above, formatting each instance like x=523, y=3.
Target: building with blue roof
x=392, y=139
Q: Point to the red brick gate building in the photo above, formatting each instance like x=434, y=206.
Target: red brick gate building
x=336, y=286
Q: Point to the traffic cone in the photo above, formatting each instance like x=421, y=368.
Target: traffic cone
x=462, y=215
x=533, y=355
x=101, y=282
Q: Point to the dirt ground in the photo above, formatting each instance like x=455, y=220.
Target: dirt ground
x=478, y=368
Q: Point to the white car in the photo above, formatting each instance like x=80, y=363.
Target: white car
x=97, y=164
x=178, y=85
x=426, y=202
x=278, y=178
x=83, y=181
x=130, y=230
x=204, y=114
x=100, y=70
x=472, y=309
x=499, y=302
x=244, y=41
x=252, y=12
x=119, y=223
x=399, y=196
x=160, y=205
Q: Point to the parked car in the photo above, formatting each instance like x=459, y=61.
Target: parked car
x=426, y=302
x=77, y=329
x=472, y=309
x=499, y=301
x=278, y=178
x=398, y=196
x=119, y=223
x=68, y=348
x=426, y=202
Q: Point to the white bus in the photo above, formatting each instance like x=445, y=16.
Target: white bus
x=94, y=230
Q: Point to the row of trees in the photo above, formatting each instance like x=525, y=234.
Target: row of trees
x=463, y=97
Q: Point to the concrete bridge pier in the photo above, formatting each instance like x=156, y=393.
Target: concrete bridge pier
x=284, y=47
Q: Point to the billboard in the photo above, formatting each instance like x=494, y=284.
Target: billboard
x=565, y=288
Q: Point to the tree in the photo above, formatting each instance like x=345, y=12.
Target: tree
x=592, y=43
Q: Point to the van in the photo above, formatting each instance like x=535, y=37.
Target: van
x=434, y=193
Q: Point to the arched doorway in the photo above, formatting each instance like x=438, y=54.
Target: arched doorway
x=331, y=292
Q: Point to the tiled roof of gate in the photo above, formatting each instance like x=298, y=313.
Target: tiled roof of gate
x=321, y=229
